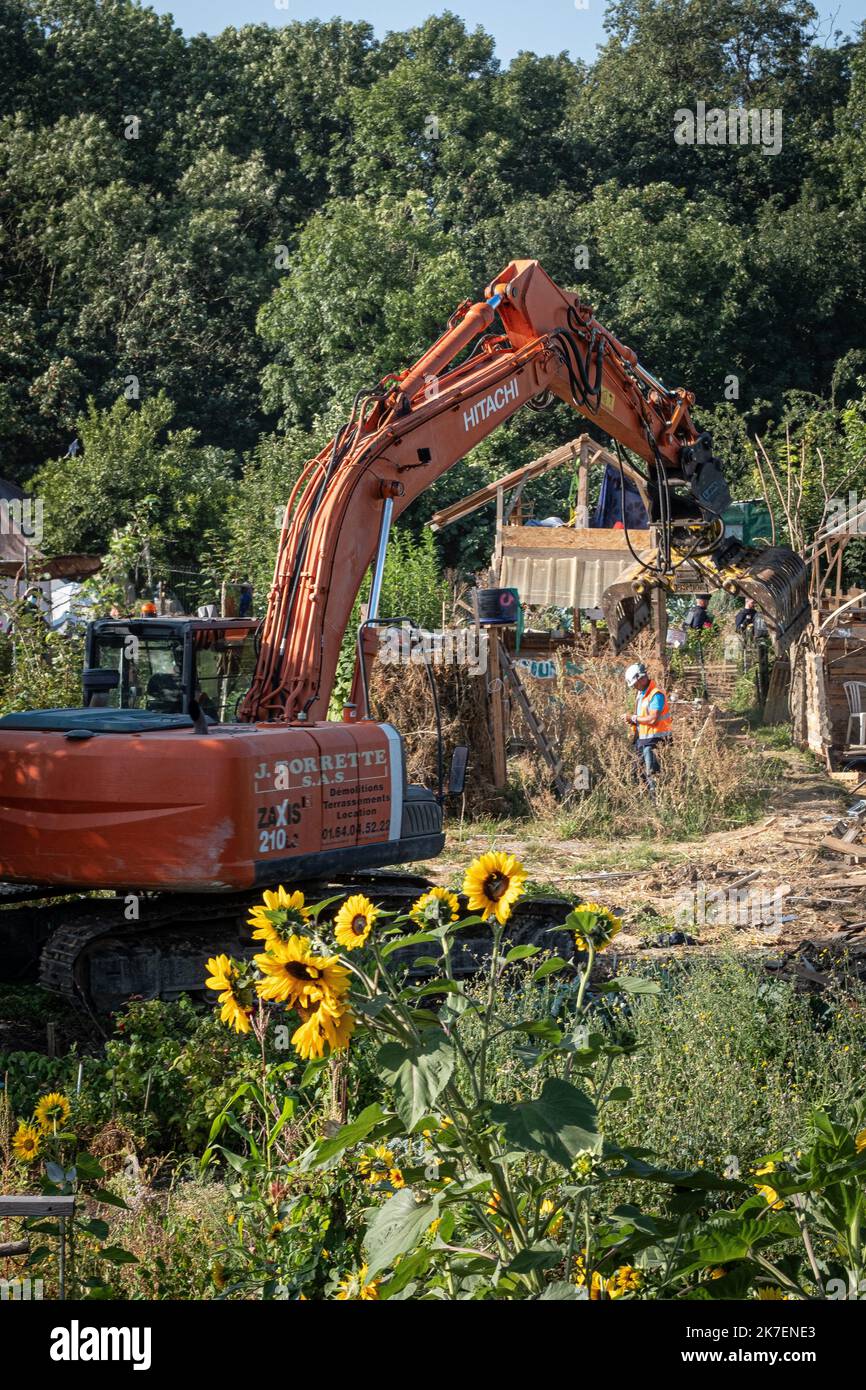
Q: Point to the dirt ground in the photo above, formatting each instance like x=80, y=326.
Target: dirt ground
x=766, y=886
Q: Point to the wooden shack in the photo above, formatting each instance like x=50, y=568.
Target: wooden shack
x=830, y=653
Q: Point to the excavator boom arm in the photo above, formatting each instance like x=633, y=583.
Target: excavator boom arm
x=413, y=427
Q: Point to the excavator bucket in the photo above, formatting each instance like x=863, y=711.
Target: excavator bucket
x=626, y=612
x=775, y=577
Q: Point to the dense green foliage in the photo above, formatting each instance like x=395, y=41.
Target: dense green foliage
x=230, y=235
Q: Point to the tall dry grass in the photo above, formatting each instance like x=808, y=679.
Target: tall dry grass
x=708, y=781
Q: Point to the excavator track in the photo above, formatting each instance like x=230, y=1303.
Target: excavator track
x=95, y=957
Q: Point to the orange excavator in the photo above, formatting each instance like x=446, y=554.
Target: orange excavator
x=187, y=798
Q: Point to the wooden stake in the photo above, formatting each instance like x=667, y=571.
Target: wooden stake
x=497, y=710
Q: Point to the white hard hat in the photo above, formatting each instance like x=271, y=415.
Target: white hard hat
x=634, y=673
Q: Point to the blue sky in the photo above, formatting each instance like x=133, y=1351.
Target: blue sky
x=545, y=26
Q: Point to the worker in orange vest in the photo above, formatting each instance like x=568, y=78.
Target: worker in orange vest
x=651, y=720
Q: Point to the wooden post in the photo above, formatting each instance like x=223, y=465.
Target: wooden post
x=660, y=624
x=582, y=507
x=497, y=548
x=497, y=709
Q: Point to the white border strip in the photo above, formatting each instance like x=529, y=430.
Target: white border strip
x=395, y=750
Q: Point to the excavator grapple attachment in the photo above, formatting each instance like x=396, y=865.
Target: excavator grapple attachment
x=775, y=577
x=778, y=580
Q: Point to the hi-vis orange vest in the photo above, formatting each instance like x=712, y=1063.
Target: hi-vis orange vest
x=663, y=723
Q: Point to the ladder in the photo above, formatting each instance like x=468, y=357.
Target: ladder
x=540, y=739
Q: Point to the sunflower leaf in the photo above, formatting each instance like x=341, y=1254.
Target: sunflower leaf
x=116, y=1255
x=561, y=1291
x=397, y=1227
x=550, y=967
x=417, y=1073
x=351, y=1134
x=521, y=953
x=413, y=939
x=316, y=909
x=559, y=1124
x=543, y=1255
x=630, y=984
x=107, y=1198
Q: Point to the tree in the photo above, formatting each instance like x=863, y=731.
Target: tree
x=135, y=471
x=370, y=286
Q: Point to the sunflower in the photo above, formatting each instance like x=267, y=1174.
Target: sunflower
x=596, y=1283
x=493, y=883
x=280, y=916
x=593, y=925
x=553, y=1215
x=624, y=1280
x=771, y=1294
x=860, y=1141
x=375, y=1167
x=354, y=922
x=52, y=1111
x=436, y=908
x=235, y=993
x=295, y=976
x=26, y=1142
x=356, y=1286
x=770, y=1194
x=325, y=1024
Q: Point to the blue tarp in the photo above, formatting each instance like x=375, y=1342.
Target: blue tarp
x=609, y=508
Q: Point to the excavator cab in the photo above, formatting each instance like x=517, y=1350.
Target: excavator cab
x=161, y=665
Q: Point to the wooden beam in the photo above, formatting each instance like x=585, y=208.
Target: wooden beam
x=36, y=1206
x=583, y=541
x=566, y=453
x=842, y=847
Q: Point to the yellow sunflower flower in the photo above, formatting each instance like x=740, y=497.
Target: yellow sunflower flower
x=593, y=925
x=769, y=1194
x=236, y=999
x=374, y=1167
x=860, y=1141
x=771, y=1294
x=320, y=1026
x=435, y=908
x=493, y=883
x=52, y=1112
x=357, y=1287
x=354, y=922
x=596, y=1283
x=623, y=1281
x=295, y=976
x=279, y=916
x=26, y=1142
x=553, y=1215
